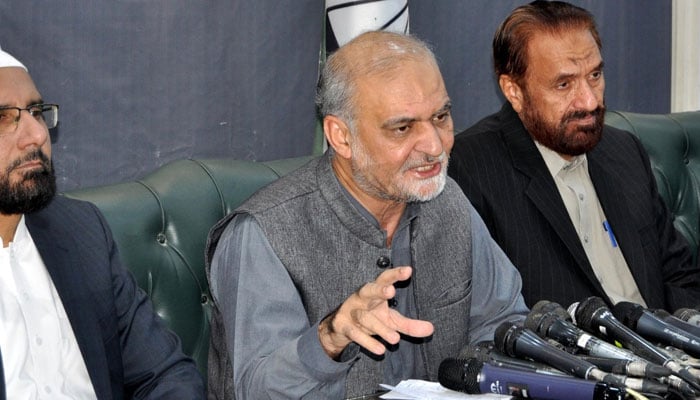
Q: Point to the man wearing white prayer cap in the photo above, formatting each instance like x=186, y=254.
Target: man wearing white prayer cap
x=75, y=325
x=6, y=60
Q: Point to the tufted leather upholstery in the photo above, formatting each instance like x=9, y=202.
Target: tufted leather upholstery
x=161, y=221
x=160, y=224
x=673, y=144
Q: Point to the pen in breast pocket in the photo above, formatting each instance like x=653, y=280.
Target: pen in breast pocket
x=606, y=226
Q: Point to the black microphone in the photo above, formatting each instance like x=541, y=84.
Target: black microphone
x=593, y=315
x=486, y=352
x=474, y=377
x=677, y=322
x=551, y=320
x=517, y=341
x=688, y=315
x=651, y=327
x=640, y=369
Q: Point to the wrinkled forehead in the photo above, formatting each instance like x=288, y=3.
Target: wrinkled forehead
x=570, y=48
x=413, y=89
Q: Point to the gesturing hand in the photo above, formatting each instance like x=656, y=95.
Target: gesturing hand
x=366, y=313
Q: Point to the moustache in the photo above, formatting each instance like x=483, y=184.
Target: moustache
x=425, y=160
x=33, y=156
x=577, y=115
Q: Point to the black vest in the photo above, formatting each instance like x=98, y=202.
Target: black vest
x=330, y=250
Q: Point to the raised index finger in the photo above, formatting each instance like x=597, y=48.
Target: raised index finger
x=393, y=275
x=383, y=286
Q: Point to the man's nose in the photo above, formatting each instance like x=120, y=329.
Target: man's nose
x=31, y=131
x=586, y=97
x=431, y=140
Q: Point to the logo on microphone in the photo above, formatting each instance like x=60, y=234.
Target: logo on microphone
x=509, y=388
x=496, y=387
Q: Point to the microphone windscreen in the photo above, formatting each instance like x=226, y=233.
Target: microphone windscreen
x=504, y=339
x=586, y=310
x=546, y=306
x=533, y=320
x=480, y=351
x=460, y=374
x=628, y=313
x=540, y=323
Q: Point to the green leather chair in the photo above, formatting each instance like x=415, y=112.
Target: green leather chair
x=673, y=144
x=161, y=222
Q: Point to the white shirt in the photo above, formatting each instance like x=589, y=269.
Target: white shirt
x=598, y=240
x=40, y=354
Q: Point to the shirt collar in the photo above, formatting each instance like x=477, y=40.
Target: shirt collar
x=21, y=234
x=409, y=213
x=555, y=163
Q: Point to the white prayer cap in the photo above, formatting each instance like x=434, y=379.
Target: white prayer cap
x=6, y=60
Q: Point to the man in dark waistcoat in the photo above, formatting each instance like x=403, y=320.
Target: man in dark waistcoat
x=368, y=265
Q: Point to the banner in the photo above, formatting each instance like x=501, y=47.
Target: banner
x=346, y=19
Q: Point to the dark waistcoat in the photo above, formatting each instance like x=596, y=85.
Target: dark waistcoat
x=330, y=251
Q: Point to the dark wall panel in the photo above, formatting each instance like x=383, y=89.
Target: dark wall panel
x=144, y=82
x=636, y=38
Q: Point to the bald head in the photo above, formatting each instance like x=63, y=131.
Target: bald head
x=376, y=53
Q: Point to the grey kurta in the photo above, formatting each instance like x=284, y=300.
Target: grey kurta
x=301, y=247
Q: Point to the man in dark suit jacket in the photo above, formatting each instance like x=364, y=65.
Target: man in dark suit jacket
x=75, y=323
x=572, y=202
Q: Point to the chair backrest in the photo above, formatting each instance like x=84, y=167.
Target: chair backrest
x=161, y=222
x=673, y=143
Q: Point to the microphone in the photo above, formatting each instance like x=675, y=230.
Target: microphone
x=551, y=320
x=474, y=377
x=681, y=356
x=638, y=368
x=517, y=341
x=593, y=315
x=677, y=322
x=643, y=369
x=646, y=324
x=487, y=353
x=688, y=315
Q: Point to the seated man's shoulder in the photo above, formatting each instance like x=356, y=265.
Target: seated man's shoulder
x=294, y=186
x=616, y=135
x=481, y=130
x=620, y=146
x=483, y=134
x=68, y=208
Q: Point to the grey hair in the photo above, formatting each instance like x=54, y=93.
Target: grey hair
x=375, y=52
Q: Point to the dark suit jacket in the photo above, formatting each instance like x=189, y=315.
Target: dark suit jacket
x=503, y=174
x=127, y=349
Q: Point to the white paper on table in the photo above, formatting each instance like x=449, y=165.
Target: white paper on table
x=414, y=389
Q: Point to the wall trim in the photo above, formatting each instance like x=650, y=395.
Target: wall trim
x=685, y=55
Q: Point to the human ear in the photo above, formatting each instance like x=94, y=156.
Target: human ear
x=512, y=92
x=338, y=135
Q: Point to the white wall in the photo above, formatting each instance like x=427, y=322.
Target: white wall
x=685, y=71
